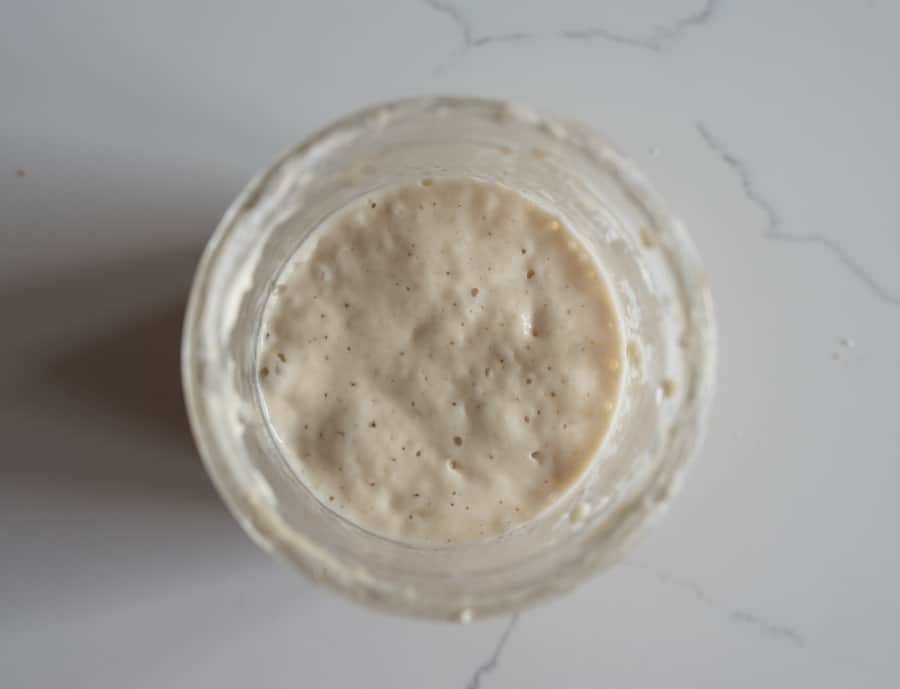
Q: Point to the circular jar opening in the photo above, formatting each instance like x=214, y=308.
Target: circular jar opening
x=665, y=336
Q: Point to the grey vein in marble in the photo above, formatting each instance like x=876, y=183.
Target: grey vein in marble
x=661, y=37
x=503, y=38
x=465, y=29
x=774, y=232
x=491, y=663
x=469, y=40
x=776, y=631
x=456, y=17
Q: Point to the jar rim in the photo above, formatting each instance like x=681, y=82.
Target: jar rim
x=262, y=521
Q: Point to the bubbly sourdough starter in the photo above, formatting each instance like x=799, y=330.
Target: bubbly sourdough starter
x=440, y=361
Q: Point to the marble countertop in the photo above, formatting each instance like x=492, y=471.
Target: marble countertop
x=773, y=128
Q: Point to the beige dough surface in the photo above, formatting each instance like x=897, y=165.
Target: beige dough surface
x=440, y=361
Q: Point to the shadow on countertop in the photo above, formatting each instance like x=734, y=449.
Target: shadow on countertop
x=92, y=391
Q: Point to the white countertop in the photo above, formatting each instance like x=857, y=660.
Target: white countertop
x=772, y=127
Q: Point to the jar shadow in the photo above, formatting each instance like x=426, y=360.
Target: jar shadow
x=93, y=391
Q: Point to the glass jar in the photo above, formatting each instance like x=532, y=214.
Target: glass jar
x=650, y=265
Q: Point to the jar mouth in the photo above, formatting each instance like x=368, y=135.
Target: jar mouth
x=220, y=427
x=566, y=488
